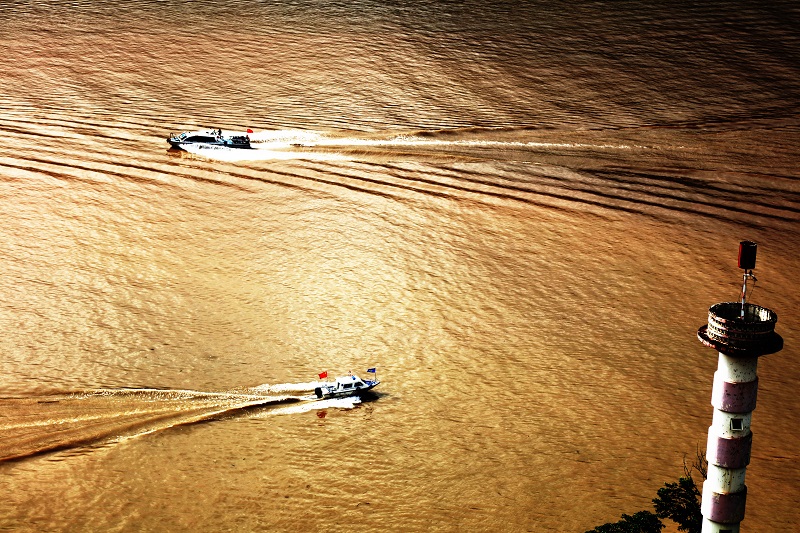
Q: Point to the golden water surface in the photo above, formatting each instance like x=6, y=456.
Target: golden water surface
x=518, y=212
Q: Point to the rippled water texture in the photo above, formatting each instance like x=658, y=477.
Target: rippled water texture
x=518, y=212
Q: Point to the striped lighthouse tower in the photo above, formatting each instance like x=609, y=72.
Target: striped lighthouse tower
x=741, y=333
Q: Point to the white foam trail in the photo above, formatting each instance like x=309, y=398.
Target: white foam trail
x=168, y=394
x=287, y=145
x=410, y=140
x=187, y=420
x=331, y=403
x=269, y=152
x=287, y=137
x=288, y=387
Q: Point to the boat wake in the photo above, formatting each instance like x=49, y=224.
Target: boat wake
x=31, y=426
x=317, y=146
x=315, y=405
x=260, y=153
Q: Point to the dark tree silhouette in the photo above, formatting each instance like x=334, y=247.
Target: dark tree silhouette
x=641, y=522
x=679, y=502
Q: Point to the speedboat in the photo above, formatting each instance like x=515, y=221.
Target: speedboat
x=228, y=139
x=349, y=385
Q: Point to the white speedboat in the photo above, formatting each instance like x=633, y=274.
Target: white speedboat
x=349, y=385
x=230, y=139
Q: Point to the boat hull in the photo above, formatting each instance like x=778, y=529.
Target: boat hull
x=215, y=138
x=181, y=145
x=327, y=391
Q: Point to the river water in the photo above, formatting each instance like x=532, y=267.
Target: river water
x=518, y=212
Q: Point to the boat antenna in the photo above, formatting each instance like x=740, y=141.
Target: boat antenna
x=747, y=262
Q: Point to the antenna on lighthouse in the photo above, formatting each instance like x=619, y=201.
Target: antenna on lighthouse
x=747, y=261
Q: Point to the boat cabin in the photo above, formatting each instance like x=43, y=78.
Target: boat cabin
x=349, y=383
x=199, y=139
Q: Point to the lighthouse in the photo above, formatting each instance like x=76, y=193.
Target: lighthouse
x=741, y=332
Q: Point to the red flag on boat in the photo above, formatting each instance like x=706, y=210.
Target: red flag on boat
x=249, y=130
x=323, y=375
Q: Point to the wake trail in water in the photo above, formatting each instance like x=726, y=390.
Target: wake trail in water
x=317, y=146
x=36, y=425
